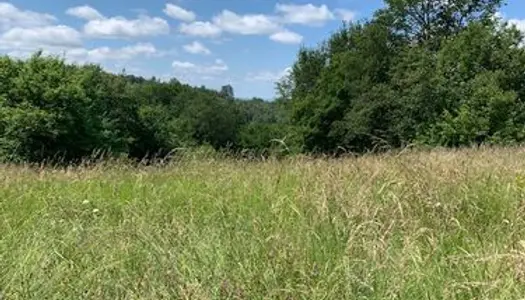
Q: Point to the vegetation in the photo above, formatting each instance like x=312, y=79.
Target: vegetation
x=434, y=224
x=442, y=73
x=418, y=225
x=50, y=110
x=439, y=73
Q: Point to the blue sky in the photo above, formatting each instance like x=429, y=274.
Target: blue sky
x=246, y=43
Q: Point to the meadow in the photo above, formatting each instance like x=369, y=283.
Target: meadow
x=440, y=224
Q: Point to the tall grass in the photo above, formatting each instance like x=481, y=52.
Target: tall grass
x=417, y=225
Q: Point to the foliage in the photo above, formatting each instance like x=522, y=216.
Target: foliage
x=446, y=73
x=439, y=73
x=50, y=110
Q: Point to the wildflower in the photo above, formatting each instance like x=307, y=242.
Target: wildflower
x=96, y=210
x=85, y=202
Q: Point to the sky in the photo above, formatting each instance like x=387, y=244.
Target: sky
x=246, y=43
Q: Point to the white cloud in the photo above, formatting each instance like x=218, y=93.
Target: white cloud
x=519, y=23
x=120, y=27
x=196, y=48
x=201, y=29
x=85, y=12
x=268, y=76
x=99, y=26
x=179, y=13
x=185, y=68
x=250, y=24
x=261, y=24
x=307, y=14
x=183, y=65
x=41, y=37
x=22, y=54
x=95, y=55
x=11, y=16
x=287, y=37
x=345, y=14
x=105, y=53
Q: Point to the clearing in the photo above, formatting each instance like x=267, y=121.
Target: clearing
x=420, y=225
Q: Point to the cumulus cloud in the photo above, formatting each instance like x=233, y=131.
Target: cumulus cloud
x=99, y=26
x=307, y=14
x=11, y=16
x=228, y=21
x=200, y=29
x=179, y=13
x=272, y=25
x=120, y=27
x=105, y=53
x=41, y=37
x=94, y=55
x=184, y=67
x=250, y=24
x=345, y=14
x=196, y=48
x=268, y=76
x=23, y=32
x=85, y=12
x=287, y=37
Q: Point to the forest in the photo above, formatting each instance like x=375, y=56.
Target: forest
x=417, y=72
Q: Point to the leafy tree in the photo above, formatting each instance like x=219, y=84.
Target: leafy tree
x=437, y=72
x=426, y=20
x=52, y=110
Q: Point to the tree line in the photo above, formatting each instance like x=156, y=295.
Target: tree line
x=440, y=73
x=433, y=72
x=51, y=110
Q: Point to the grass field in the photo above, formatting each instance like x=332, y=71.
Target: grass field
x=419, y=225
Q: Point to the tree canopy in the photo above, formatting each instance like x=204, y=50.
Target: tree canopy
x=446, y=73
x=434, y=72
x=51, y=110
